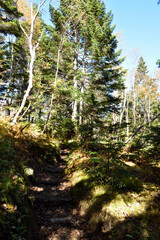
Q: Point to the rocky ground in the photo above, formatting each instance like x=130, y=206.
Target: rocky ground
x=54, y=213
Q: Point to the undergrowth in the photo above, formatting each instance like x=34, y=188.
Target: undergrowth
x=19, y=150
x=115, y=194
x=119, y=196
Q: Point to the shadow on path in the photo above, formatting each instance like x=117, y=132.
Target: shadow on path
x=54, y=214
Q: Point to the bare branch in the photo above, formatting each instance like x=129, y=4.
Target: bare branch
x=2, y=84
x=140, y=127
x=39, y=40
x=23, y=29
x=44, y=6
x=39, y=9
x=25, y=111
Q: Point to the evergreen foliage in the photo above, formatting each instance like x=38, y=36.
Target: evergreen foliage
x=97, y=72
x=8, y=17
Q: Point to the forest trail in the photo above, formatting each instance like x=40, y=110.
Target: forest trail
x=55, y=216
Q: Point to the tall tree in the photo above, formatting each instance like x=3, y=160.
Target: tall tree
x=96, y=72
x=140, y=78
x=32, y=50
x=104, y=71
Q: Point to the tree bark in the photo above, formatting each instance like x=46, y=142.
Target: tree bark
x=134, y=103
x=149, y=108
x=75, y=82
x=123, y=107
x=127, y=118
x=10, y=78
x=82, y=87
x=81, y=106
x=28, y=89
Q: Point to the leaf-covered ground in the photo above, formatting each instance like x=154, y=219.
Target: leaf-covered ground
x=21, y=148
x=100, y=194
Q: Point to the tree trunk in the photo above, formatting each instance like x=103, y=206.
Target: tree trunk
x=134, y=103
x=55, y=82
x=149, y=109
x=140, y=127
x=10, y=79
x=127, y=118
x=123, y=107
x=82, y=87
x=81, y=106
x=75, y=82
x=114, y=118
x=32, y=52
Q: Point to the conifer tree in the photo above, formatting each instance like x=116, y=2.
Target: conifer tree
x=9, y=17
x=141, y=78
x=96, y=71
x=106, y=73
x=141, y=72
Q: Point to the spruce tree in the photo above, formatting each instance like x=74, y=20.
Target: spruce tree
x=96, y=71
x=9, y=17
x=140, y=78
x=106, y=73
x=141, y=71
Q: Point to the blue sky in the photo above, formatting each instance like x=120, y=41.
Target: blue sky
x=138, y=22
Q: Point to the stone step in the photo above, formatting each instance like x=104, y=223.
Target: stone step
x=54, y=200
x=61, y=220
x=54, y=170
x=48, y=183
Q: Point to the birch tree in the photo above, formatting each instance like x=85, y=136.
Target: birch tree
x=32, y=48
x=134, y=56
x=62, y=26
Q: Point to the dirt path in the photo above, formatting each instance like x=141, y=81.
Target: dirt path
x=55, y=215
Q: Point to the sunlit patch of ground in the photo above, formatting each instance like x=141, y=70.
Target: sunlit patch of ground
x=131, y=164
x=37, y=189
x=129, y=204
x=107, y=206
x=9, y=207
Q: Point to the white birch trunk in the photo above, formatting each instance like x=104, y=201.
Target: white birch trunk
x=75, y=82
x=134, y=103
x=114, y=118
x=127, y=118
x=123, y=107
x=32, y=50
x=28, y=89
x=149, y=108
